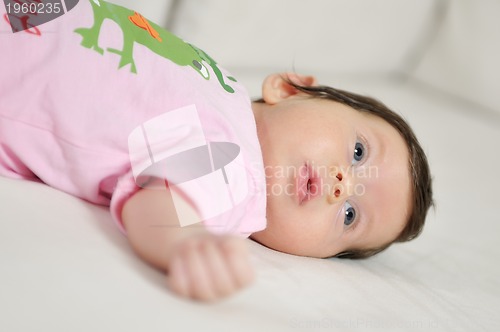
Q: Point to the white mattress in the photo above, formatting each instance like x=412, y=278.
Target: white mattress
x=65, y=267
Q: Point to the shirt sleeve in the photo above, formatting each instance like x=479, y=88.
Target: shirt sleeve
x=124, y=190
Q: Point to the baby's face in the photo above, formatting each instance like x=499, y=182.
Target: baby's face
x=337, y=179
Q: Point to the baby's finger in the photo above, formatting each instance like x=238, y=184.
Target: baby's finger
x=238, y=261
x=177, y=279
x=200, y=285
x=220, y=273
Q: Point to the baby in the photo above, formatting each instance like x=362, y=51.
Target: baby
x=312, y=170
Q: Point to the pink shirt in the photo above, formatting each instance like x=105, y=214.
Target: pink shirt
x=96, y=125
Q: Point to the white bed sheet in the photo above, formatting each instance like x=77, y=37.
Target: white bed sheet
x=65, y=267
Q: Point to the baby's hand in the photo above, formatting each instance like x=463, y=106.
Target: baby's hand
x=209, y=267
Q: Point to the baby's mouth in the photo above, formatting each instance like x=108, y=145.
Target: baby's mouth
x=308, y=184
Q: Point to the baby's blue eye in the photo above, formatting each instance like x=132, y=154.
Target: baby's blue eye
x=359, y=153
x=349, y=214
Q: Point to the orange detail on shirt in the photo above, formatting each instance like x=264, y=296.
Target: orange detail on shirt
x=142, y=23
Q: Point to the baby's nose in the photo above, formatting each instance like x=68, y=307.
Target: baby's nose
x=340, y=188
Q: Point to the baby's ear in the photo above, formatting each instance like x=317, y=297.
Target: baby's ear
x=277, y=87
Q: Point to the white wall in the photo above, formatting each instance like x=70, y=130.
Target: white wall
x=464, y=59
x=340, y=36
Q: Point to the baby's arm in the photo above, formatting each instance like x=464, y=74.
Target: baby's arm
x=200, y=265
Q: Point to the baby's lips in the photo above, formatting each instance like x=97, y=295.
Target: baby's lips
x=308, y=184
x=301, y=184
x=316, y=183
